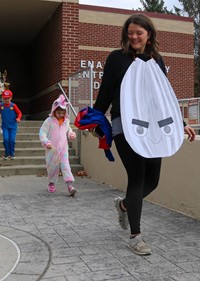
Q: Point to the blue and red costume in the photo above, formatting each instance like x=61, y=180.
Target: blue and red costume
x=89, y=118
x=10, y=113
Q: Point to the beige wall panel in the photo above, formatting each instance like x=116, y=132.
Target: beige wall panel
x=71, y=1
x=98, y=166
x=119, y=19
x=105, y=49
x=99, y=49
x=174, y=26
x=53, y=1
x=180, y=175
x=175, y=55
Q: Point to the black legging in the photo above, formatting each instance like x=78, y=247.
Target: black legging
x=143, y=177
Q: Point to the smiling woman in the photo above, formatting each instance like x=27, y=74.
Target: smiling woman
x=145, y=114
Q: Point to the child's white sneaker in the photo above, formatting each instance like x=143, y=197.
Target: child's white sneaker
x=6, y=157
x=72, y=191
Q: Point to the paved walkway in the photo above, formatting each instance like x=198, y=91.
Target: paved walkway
x=58, y=238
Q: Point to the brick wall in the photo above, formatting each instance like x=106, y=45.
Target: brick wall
x=99, y=35
x=70, y=37
x=181, y=76
x=176, y=45
x=80, y=32
x=47, y=53
x=55, y=55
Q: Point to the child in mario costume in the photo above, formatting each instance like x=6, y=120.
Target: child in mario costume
x=11, y=116
x=54, y=134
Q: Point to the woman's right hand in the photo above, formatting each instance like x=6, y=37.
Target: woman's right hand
x=92, y=131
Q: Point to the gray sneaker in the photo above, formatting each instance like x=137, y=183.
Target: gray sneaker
x=139, y=246
x=122, y=216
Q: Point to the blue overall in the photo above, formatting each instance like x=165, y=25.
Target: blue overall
x=9, y=128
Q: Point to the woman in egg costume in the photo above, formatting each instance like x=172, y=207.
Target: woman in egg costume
x=131, y=75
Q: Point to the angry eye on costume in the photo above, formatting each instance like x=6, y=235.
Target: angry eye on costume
x=166, y=126
x=140, y=127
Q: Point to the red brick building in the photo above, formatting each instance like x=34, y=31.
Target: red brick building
x=67, y=36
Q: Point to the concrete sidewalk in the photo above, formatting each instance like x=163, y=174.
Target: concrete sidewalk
x=57, y=238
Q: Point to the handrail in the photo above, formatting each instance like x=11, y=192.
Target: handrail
x=67, y=99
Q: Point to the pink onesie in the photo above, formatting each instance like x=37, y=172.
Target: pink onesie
x=51, y=132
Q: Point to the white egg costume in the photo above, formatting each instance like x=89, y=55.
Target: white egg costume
x=151, y=117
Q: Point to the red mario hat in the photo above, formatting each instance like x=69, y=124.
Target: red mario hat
x=7, y=94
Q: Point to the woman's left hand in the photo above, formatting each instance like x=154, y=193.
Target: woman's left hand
x=190, y=132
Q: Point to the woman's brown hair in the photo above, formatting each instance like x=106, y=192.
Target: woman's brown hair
x=145, y=22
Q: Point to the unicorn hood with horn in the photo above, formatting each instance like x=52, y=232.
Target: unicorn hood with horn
x=59, y=102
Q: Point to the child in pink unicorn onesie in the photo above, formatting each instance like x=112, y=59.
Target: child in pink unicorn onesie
x=54, y=134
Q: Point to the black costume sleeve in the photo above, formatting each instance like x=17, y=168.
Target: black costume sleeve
x=107, y=87
x=161, y=63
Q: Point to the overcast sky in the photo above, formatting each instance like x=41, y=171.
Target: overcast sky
x=127, y=4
